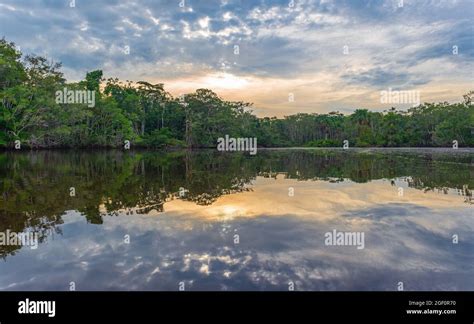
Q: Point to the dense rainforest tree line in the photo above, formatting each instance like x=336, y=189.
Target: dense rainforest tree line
x=148, y=116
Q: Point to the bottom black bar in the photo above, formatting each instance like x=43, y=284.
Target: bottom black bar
x=223, y=306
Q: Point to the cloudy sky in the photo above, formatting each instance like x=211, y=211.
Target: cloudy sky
x=329, y=55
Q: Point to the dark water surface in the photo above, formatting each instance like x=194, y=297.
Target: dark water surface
x=140, y=220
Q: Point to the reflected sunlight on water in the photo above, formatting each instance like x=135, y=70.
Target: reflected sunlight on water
x=244, y=224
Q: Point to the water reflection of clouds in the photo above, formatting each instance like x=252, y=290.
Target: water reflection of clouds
x=281, y=239
x=311, y=199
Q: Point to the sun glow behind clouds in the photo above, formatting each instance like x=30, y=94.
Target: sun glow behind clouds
x=217, y=81
x=222, y=80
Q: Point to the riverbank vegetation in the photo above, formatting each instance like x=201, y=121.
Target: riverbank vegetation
x=148, y=116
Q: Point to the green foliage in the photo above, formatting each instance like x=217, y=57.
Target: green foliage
x=147, y=115
x=324, y=143
x=160, y=138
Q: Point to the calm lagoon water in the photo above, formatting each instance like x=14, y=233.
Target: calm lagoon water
x=142, y=220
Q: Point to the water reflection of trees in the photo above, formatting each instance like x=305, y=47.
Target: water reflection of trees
x=36, y=186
